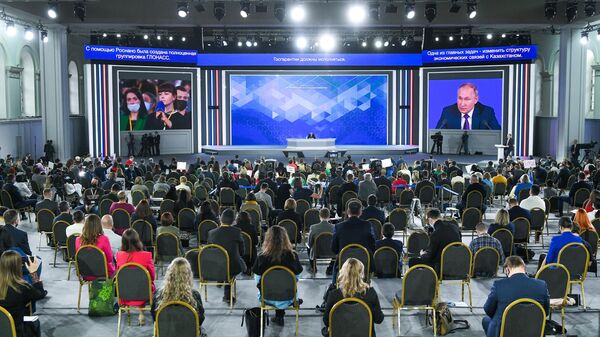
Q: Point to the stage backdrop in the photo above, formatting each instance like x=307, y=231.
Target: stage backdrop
x=268, y=108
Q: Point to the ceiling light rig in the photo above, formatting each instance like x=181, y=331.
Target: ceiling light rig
x=183, y=9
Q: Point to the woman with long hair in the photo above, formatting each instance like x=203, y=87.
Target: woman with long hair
x=289, y=213
x=244, y=223
x=93, y=235
x=588, y=205
x=351, y=284
x=133, y=114
x=582, y=219
x=132, y=251
x=178, y=286
x=206, y=213
x=502, y=221
x=144, y=212
x=15, y=293
x=277, y=250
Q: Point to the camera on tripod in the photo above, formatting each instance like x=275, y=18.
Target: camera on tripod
x=587, y=146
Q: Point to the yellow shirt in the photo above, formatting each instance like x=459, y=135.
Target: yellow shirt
x=499, y=179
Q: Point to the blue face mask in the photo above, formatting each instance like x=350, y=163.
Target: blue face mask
x=133, y=107
x=148, y=105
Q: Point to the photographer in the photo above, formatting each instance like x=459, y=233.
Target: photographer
x=438, y=139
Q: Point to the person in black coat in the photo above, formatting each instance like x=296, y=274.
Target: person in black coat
x=244, y=223
x=19, y=237
x=371, y=211
x=351, y=284
x=443, y=234
x=277, y=250
x=516, y=211
x=47, y=202
x=349, y=185
x=510, y=145
x=230, y=238
x=283, y=192
x=289, y=213
x=475, y=185
x=388, y=241
x=17, y=200
x=18, y=292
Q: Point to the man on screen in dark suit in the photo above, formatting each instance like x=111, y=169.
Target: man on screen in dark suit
x=468, y=113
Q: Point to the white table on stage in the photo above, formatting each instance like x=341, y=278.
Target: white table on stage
x=500, y=148
x=310, y=143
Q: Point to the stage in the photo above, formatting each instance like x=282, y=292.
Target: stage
x=310, y=151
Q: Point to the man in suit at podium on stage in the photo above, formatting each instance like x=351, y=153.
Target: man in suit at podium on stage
x=510, y=145
x=468, y=113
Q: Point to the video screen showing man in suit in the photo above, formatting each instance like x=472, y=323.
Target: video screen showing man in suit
x=468, y=113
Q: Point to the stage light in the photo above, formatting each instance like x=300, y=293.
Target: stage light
x=430, y=11
x=28, y=34
x=183, y=39
x=219, y=10
x=52, y=10
x=239, y=43
x=472, y=10
x=104, y=35
x=571, y=11
x=584, y=38
x=451, y=38
x=386, y=43
x=248, y=43
x=550, y=10
x=437, y=39
x=374, y=11
x=356, y=13
x=244, y=9
x=254, y=44
x=279, y=11
x=378, y=43
x=363, y=43
x=170, y=38
x=454, y=6
x=404, y=42
x=301, y=42
x=327, y=42
x=503, y=36
x=225, y=43
x=182, y=9
x=44, y=35
x=145, y=36
x=489, y=36
x=410, y=10
x=11, y=30
x=589, y=8
x=79, y=10
x=298, y=13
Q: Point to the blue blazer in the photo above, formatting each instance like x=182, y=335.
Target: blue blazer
x=483, y=118
x=19, y=238
x=507, y=290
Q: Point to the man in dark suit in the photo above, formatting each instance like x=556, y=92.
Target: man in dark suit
x=47, y=203
x=230, y=238
x=19, y=237
x=371, y=211
x=444, y=233
x=349, y=185
x=475, y=185
x=352, y=231
x=17, y=199
x=383, y=180
x=505, y=291
x=580, y=184
x=510, y=142
x=516, y=211
x=423, y=183
x=468, y=113
x=65, y=213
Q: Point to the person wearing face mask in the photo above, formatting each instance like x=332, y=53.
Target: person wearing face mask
x=134, y=115
x=181, y=118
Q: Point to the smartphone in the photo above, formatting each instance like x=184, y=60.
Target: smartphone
x=27, y=259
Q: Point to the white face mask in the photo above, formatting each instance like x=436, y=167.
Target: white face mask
x=148, y=105
x=133, y=107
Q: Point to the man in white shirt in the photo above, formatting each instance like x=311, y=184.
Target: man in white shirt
x=264, y=196
x=107, y=228
x=534, y=200
x=77, y=226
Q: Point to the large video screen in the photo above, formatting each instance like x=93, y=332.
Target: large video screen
x=154, y=105
x=266, y=109
x=465, y=103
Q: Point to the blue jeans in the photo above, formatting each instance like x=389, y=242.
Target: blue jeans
x=486, y=323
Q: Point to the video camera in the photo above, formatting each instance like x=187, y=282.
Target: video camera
x=587, y=146
x=437, y=137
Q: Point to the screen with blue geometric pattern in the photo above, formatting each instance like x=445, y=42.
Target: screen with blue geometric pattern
x=267, y=109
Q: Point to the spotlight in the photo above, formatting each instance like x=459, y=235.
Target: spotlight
x=248, y=43
x=386, y=43
x=118, y=35
x=571, y=11
x=11, y=30
x=225, y=43
x=437, y=39
x=472, y=10
x=410, y=10
x=219, y=10
x=451, y=38
x=503, y=36
x=244, y=9
x=79, y=10
x=239, y=43
x=301, y=42
x=489, y=36
x=183, y=39
x=374, y=11
x=28, y=33
x=430, y=11
x=254, y=44
x=52, y=10
x=589, y=8
x=298, y=13
x=104, y=35
x=158, y=37
x=403, y=42
x=170, y=38
x=279, y=11
x=356, y=13
x=44, y=35
x=182, y=9
x=145, y=36
x=327, y=42
x=584, y=38
x=455, y=6
x=550, y=10
x=378, y=43
x=364, y=43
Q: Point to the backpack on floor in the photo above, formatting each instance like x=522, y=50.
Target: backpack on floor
x=444, y=322
x=252, y=319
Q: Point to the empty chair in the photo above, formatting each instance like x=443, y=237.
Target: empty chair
x=145, y=232
x=167, y=248
x=575, y=258
x=226, y=198
x=358, y=252
x=427, y=196
x=59, y=236
x=133, y=283
x=311, y=217
x=71, y=253
x=377, y=228
x=523, y=194
x=346, y=197
x=485, y=262
x=203, y=228
x=149, y=185
x=350, y=317
x=385, y=260
x=523, y=318
x=7, y=324
x=167, y=205
x=538, y=220
x=137, y=196
x=321, y=248
x=192, y=257
x=302, y=206
x=417, y=241
x=383, y=194
x=471, y=216
x=104, y=207
x=333, y=195
x=254, y=218
x=121, y=220
x=278, y=283
x=406, y=198
x=419, y=292
x=292, y=229
x=499, y=190
x=200, y=193
x=399, y=218
x=522, y=228
x=90, y=263
x=505, y=237
x=557, y=279
x=185, y=219
x=456, y=265
x=581, y=195
x=474, y=199
x=213, y=269
x=176, y=319
x=44, y=219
